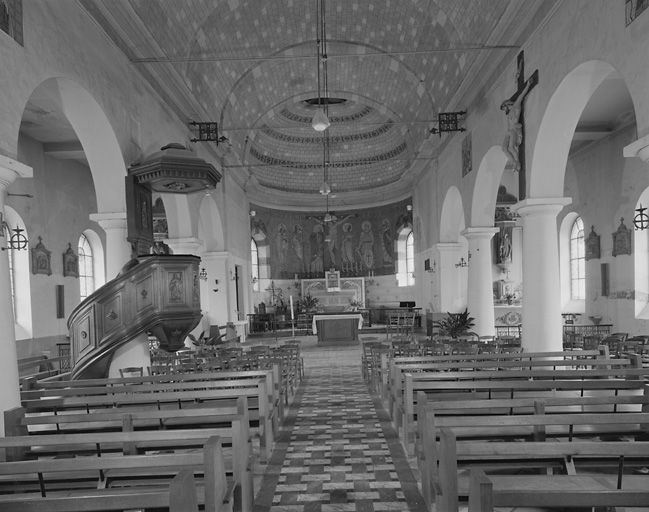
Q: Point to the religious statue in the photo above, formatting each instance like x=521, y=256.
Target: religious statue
x=513, y=108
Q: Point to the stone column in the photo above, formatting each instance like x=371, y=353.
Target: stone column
x=10, y=394
x=449, y=277
x=216, y=303
x=189, y=245
x=542, y=329
x=480, y=299
x=118, y=250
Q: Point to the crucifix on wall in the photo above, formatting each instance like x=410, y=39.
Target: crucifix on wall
x=514, y=142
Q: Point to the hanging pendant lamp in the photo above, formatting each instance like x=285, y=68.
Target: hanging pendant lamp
x=320, y=121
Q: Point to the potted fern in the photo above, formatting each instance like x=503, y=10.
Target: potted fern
x=455, y=324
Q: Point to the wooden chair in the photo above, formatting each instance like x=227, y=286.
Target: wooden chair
x=131, y=371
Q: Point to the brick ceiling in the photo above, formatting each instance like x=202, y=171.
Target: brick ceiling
x=250, y=64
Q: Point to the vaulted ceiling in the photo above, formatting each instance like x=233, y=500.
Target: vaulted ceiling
x=251, y=65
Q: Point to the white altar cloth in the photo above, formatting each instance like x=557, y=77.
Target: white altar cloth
x=336, y=317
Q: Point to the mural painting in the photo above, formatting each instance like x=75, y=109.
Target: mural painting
x=355, y=243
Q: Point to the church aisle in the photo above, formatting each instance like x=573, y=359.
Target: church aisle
x=338, y=451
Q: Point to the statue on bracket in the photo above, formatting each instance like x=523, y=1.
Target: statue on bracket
x=622, y=240
x=41, y=259
x=592, y=245
x=70, y=263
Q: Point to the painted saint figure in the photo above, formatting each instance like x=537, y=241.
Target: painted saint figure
x=387, y=242
x=296, y=244
x=366, y=245
x=347, y=248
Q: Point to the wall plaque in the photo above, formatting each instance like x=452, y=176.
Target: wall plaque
x=622, y=240
x=41, y=259
x=592, y=245
x=70, y=263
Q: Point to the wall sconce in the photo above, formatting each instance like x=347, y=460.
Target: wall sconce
x=17, y=241
x=409, y=207
x=253, y=213
x=462, y=262
x=203, y=274
x=216, y=282
x=641, y=219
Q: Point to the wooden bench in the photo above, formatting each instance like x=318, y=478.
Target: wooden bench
x=109, y=445
x=455, y=432
x=169, y=395
x=271, y=375
x=398, y=367
x=40, y=366
x=502, y=384
x=556, y=491
x=390, y=364
x=119, y=482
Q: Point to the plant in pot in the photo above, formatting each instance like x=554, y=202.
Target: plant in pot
x=308, y=303
x=455, y=324
x=202, y=342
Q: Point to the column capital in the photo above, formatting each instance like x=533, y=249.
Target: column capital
x=639, y=148
x=110, y=220
x=11, y=169
x=479, y=232
x=215, y=256
x=187, y=245
x=448, y=246
x=541, y=205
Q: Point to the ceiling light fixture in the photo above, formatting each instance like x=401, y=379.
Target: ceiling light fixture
x=320, y=121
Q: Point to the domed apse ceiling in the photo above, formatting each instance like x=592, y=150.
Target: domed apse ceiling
x=252, y=66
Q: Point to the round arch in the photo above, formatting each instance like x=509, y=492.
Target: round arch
x=451, y=222
x=552, y=145
x=97, y=138
x=210, y=226
x=485, y=190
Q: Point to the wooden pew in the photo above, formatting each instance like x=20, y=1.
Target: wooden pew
x=40, y=366
x=503, y=384
x=456, y=431
x=272, y=377
x=110, y=446
x=210, y=393
x=399, y=369
x=556, y=491
x=507, y=458
x=76, y=489
x=389, y=364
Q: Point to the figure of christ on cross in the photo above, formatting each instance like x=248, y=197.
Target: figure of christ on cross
x=513, y=108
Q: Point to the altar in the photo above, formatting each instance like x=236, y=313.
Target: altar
x=337, y=327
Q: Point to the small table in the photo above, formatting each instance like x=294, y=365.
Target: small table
x=337, y=327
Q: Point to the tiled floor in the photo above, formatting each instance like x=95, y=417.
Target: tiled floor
x=337, y=451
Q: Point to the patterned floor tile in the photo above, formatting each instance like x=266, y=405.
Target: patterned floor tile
x=338, y=451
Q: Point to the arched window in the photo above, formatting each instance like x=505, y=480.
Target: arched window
x=410, y=259
x=19, y=277
x=577, y=261
x=12, y=272
x=86, y=268
x=406, y=257
x=254, y=260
